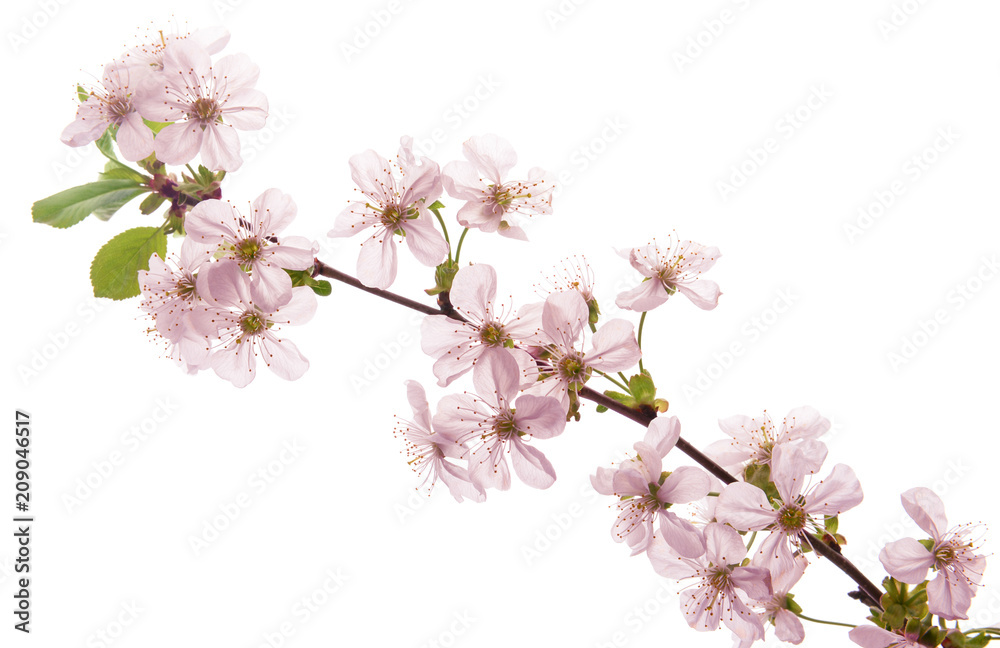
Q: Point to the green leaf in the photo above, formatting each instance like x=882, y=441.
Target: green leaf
x=105, y=145
x=82, y=94
x=321, y=288
x=114, y=272
x=601, y=409
x=156, y=127
x=151, y=203
x=118, y=171
x=69, y=207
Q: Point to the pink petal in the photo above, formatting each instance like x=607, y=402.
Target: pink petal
x=531, y=466
x=723, y=545
x=497, y=379
x=685, y=484
x=787, y=627
x=492, y=155
x=745, y=507
x=667, y=562
x=703, y=293
x=371, y=172
x=234, y=72
x=644, y=297
x=299, y=310
x=803, y=423
x=481, y=215
x=949, y=598
x=271, y=287
x=473, y=291
x=246, y=110
x=211, y=221
x=682, y=536
x=614, y=346
x=868, y=636
x=601, y=481
x=355, y=218
x=564, y=317
x=227, y=285
x=283, y=357
x=462, y=181
x=459, y=483
x=273, y=211
x=377, y=261
x=927, y=510
x=755, y=581
x=906, y=560
x=236, y=365
x=220, y=148
x=134, y=138
x=512, y=232
x=662, y=434
x=417, y=398
x=289, y=256
x=839, y=492
x=425, y=241
x=542, y=418
x=178, y=143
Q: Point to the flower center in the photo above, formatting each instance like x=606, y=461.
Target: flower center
x=118, y=107
x=205, y=110
x=572, y=368
x=945, y=554
x=719, y=579
x=503, y=425
x=492, y=334
x=792, y=518
x=247, y=250
x=252, y=323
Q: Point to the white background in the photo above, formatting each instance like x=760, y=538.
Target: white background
x=550, y=82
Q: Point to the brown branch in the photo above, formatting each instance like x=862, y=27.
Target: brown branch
x=868, y=593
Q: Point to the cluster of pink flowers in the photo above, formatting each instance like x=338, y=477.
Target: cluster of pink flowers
x=223, y=301
x=174, y=82
x=398, y=204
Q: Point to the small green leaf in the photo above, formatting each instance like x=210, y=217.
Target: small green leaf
x=321, y=288
x=642, y=388
x=151, y=203
x=69, y=207
x=82, y=94
x=156, y=127
x=114, y=272
x=601, y=409
x=105, y=145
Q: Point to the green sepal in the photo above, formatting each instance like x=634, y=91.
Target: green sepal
x=760, y=476
x=82, y=94
x=831, y=523
x=595, y=311
x=624, y=399
x=321, y=287
x=601, y=409
x=114, y=272
x=69, y=207
x=642, y=388
x=444, y=274
x=151, y=203
x=894, y=615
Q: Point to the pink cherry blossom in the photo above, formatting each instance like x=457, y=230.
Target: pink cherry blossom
x=393, y=208
x=498, y=425
x=564, y=319
x=646, y=493
x=206, y=102
x=429, y=451
x=869, y=636
x=252, y=242
x=245, y=330
x=669, y=269
x=490, y=198
x=721, y=586
x=169, y=295
x=747, y=507
x=112, y=105
x=573, y=274
x=952, y=555
x=754, y=439
x=148, y=57
x=787, y=626
x=489, y=328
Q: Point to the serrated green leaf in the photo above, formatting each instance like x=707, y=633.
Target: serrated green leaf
x=114, y=272
x=69, y=207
